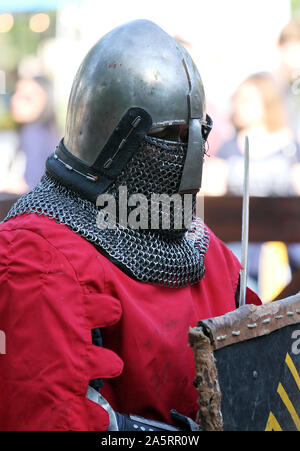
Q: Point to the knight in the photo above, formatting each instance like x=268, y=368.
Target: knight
x=96, y=309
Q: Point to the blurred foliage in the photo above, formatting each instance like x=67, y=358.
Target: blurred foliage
x=6, y=120
x=21, y=41
x=295, y=7
x=16, y=44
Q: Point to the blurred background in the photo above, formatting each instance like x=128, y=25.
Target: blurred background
x=248, y=55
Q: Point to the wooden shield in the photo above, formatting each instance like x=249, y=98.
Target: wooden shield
x=248, y=366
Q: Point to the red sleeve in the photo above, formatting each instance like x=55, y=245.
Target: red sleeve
x=252, y=297
x=49, y=356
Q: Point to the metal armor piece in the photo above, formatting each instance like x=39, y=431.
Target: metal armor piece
x=136, y=65
x=135, y=78
x=170, y=258
x=119, y=422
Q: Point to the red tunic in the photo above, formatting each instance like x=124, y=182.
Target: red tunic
x=54, y=288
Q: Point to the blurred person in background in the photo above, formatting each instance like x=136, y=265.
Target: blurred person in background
x=288, y=73
x=32, y=107
x=258, y=111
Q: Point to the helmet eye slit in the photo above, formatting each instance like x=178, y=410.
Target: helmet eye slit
x=175, y=133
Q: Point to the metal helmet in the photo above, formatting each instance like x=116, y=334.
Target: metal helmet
x=134, y=80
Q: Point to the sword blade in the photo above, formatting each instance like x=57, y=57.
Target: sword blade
x=245, y=227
